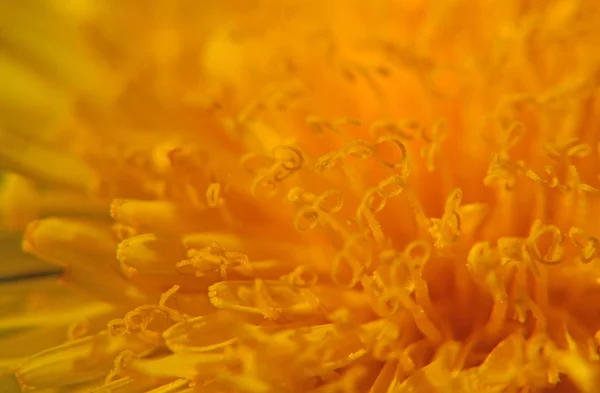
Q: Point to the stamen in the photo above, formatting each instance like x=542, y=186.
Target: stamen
x=366, y=219
x=433, y=144
x=303, y=277
x=504, y=172
x=306, y=219
x=392, y=186
x=484, y=265
x=325, y=349
x=269, y=298
x=120, y=363
x=387, y=345
x=555, y=253
x=319, y=211
x=290, y=157
x=381, y=154
x=446, y=230
x=588, y=249
x=417, y=253
x=373, y=202
x=264, y=186
x=202, y=334
x=510, y=137
x=288, y=161
x=214, y=196
x=330, y=201
x=510, y=249
x=301, y=197
x=213, y=259
x=553, y=182
x=346, y=271
x=422, y=221
x=388, y=303
x=328, y=161
x=561, y=150
x=164, y=298
x=358, y=149
x=150, y=254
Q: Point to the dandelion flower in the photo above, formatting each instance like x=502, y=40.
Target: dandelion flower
x=299, y=196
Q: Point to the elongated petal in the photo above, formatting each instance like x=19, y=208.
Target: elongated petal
x=185, y=365
x=85, y=249
x=77, y=361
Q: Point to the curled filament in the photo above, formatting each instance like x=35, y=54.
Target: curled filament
x=588, y=248
x=503, y=171
x=321, y=208
x=346, y=271
x=417, y=253
x=264, y=186
x=511, y=137
x=555, y=252
x=289, y=157
x=306, y=219
x=298, y=195
x=303, y=276
x=375, y=199
x=288, y=160
x=560, y=150
x=358, y=149
x=318, y=126
x=328, y=161
x=214, y=195
x=434, y=143
x=387, y=149
x=212, y=259
x=389, y=302
x=350, y=264
x=330, y=201
x=575, y=184
x=446, y=230
x=392, y=186
x=553, y=182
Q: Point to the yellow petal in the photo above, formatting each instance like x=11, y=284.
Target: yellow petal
x=18, y=202
x=86, y=249
x=29, y=157
x=185, y=365
x=76, y=361
x=162, y=216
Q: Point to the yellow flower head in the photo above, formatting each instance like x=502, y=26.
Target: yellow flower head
x=289, y=196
